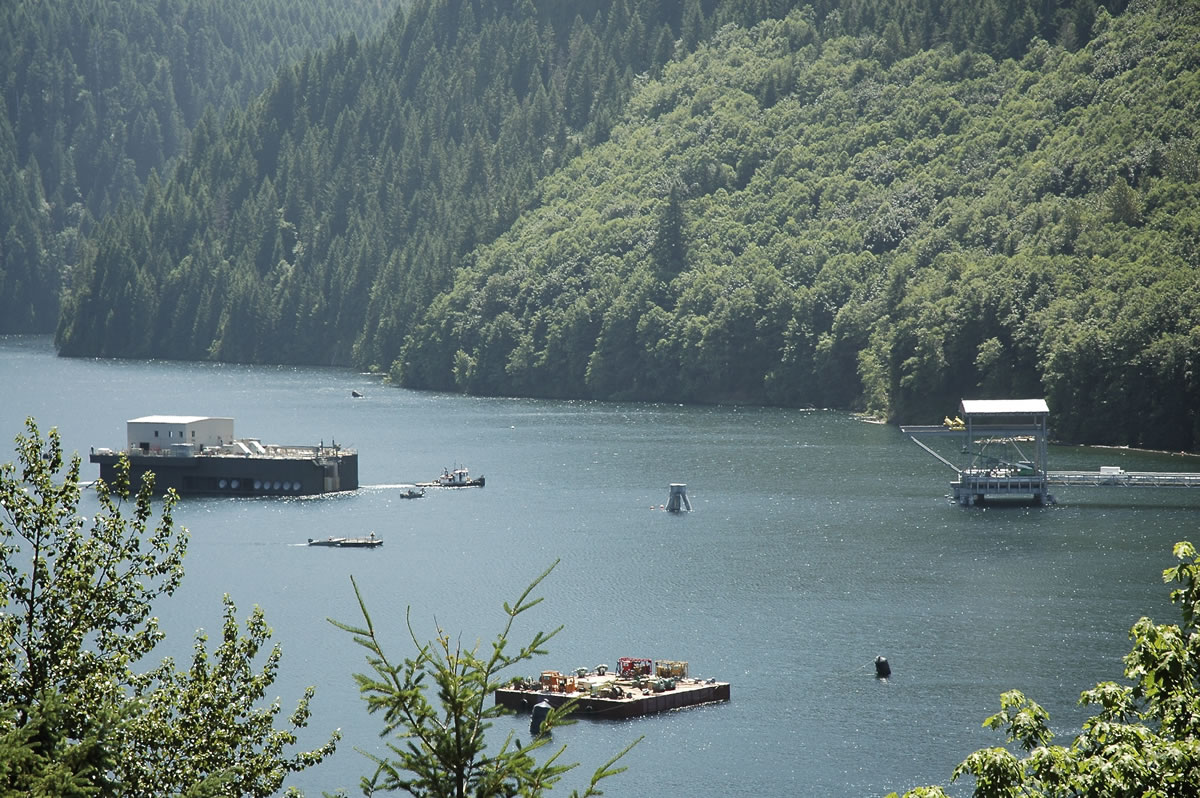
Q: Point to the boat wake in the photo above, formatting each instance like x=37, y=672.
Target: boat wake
x=407, y=489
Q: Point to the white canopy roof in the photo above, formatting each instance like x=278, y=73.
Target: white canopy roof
x=1004, y=407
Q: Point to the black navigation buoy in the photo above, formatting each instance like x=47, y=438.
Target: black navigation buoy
x=882, y=669
x=540, y=711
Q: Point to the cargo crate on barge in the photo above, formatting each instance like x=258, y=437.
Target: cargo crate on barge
x=199, y=455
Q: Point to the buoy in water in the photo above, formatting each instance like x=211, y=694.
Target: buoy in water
x=882, y=669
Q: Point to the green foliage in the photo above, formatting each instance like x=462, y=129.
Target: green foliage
x=884, y=234
x=37, y=758
x=1145, y=736
x=884, y=205
x=97, y=95
x=209, y=723
x=440, y=749
x=76, y=718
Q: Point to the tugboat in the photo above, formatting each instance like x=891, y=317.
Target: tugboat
x=458, y=478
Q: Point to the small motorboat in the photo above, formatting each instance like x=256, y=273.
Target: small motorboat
x=347, y=543
x=411, y=491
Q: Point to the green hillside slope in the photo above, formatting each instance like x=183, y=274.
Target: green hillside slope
x=877, y=204
x=313, y=226
x=97, y=93
x=788, y=220
x=318, y=224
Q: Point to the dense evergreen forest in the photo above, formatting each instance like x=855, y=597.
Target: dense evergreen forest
x=98, y=93
x=871, y=204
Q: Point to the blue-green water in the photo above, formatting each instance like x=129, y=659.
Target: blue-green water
x=817, y=541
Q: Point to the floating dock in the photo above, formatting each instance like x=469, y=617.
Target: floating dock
x=628, y=693
x=1118, y=478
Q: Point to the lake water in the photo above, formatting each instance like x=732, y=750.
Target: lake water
x=817, y=542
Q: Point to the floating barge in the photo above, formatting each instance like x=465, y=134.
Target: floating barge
x=199, y=455
x=628, y=693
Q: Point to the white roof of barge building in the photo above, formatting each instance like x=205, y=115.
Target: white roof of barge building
x=175, y=419
x=1004, y=407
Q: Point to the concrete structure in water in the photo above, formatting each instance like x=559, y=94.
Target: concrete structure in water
x=1002, y=447
x=678, y=501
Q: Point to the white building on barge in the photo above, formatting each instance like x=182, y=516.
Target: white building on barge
x=200, y=455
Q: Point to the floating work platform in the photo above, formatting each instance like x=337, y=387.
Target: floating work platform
x=973, y=487
x=1002, y=446
x=627, y=693
x=1002, y=449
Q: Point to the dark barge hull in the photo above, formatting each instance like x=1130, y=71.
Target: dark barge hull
x=230, y=475
x=684, y=695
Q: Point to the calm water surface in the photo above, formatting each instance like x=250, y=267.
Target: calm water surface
x=817, y=542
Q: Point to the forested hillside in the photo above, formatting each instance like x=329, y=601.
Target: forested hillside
x=794, y=220
x=879, y=205
x=97, y=93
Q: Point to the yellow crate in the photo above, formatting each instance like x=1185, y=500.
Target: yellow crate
x=670, y=669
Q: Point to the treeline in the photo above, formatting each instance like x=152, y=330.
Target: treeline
x=731, y=202
x=98, y=93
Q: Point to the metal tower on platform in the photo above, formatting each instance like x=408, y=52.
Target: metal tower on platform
x=1001, y=449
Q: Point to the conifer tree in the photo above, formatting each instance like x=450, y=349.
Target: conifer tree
x=440, y=748
x=670, y=250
